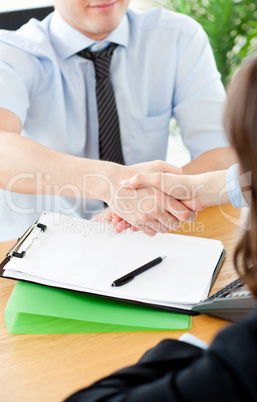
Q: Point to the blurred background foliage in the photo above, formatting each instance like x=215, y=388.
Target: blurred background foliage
x=231, y=26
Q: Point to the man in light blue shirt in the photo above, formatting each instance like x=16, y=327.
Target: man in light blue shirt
x=162, y=68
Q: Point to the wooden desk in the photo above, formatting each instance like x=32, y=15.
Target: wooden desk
x=51, y=367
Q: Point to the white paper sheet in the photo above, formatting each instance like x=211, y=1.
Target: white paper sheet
x=83, y=255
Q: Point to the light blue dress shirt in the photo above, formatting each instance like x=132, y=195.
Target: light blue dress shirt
x=163, y=68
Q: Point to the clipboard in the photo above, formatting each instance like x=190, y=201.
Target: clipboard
x=37, y=309
x=23, y=244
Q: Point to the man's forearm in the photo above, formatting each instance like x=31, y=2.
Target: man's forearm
x=31, y=168
x=216, y=159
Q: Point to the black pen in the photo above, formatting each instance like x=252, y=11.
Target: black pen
x=131, y=275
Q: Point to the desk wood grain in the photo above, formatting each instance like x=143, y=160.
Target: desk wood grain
x=51, y=367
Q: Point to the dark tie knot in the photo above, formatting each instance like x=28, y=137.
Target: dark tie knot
x=100, y=59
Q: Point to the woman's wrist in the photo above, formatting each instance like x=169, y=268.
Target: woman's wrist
x=213, y=188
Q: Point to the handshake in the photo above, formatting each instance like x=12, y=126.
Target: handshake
x=157, y=197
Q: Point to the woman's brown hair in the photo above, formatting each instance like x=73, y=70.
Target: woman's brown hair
x=241, y=126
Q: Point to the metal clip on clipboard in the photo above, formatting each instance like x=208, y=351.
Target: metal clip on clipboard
x=15, y=250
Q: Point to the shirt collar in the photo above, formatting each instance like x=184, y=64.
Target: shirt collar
x=68, y=41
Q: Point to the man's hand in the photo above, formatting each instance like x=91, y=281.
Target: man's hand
x=148, y=209
x=36, y=169
x=196, y=192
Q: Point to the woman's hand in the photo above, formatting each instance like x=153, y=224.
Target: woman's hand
x=118, y=224
x=196, y=192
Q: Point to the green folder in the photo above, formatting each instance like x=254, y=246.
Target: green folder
x=37, y=309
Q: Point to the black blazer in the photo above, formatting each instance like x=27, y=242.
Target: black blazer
x=176, y=371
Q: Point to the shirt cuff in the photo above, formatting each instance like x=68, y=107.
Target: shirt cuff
x=193, y=340
x=234, y=189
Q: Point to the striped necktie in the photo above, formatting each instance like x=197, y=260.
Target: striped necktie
x=108, y=120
